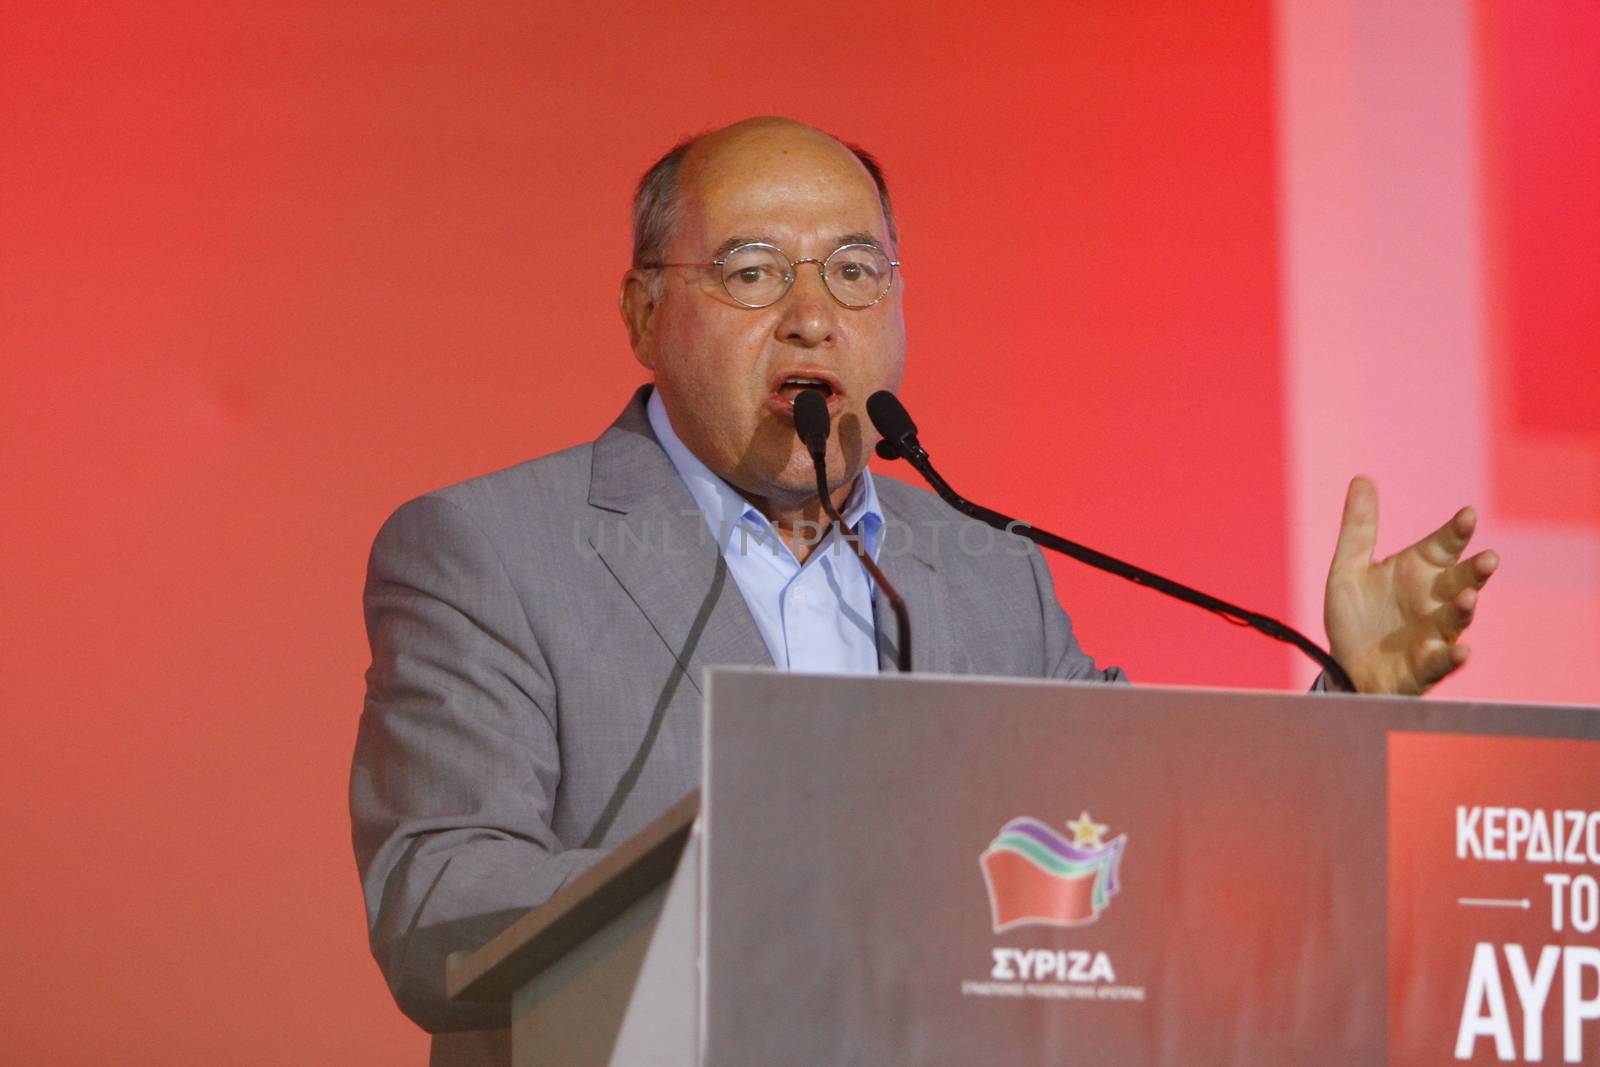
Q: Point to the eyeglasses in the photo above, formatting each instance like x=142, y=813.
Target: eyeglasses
x=758, y=275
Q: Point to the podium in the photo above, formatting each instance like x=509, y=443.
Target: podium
x=915, y=869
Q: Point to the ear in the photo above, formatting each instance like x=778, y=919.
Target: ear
x=638, y=308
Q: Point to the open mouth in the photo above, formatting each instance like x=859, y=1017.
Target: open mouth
x=796, y=380
x=789, y=383
x=793, y=386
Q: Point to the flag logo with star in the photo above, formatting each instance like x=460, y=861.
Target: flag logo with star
x=1037, y=877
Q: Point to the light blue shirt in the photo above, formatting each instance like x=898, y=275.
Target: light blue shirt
x=816, y=617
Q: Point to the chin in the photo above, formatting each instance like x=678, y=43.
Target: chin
x=799, y=478
x=796, y=480
x=839, y=474
x=789, y=473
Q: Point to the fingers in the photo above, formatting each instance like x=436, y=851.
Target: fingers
x=1444, y=546
x=1358, y=528
x=1457, y=590
x=1456, y=614
x=1443, y=656
x=1472, y=573
x=1439, y=661
x=1482, y=567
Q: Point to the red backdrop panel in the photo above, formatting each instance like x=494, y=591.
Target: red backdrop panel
x=270, y=270
x=1539, y=106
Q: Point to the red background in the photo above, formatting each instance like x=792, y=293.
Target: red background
x=266, y=271
x=1541, y=172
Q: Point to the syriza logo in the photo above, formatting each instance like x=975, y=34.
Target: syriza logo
x=1038, y=877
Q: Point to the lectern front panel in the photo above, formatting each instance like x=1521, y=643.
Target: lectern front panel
x=961, y=871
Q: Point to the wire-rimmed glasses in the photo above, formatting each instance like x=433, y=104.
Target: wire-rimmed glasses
x=757, y=275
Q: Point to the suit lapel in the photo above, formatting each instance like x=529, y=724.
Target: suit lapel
x=655, y=542
x=915, y=575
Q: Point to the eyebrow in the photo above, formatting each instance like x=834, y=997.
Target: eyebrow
x=847, y=239
x=860, y=239
x=734, y=242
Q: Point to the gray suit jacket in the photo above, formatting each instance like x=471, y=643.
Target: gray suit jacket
x=538, y=637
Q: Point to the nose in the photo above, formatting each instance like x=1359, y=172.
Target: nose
x=810, y=314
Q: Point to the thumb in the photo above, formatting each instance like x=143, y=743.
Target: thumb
x=1358, y=529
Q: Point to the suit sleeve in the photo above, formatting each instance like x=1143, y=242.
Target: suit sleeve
x=456, y=762
x=1063, y=656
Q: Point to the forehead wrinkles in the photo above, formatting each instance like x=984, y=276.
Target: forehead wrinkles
x=756, y=184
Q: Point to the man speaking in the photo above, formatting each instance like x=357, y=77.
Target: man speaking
x=538, y=635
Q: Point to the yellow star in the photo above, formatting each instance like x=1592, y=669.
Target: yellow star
x=1086, y=832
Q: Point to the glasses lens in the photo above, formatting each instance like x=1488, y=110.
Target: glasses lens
x=858, y=275
x=756, y=275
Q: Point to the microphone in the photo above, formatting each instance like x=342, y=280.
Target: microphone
x=812, y=424
x=893, y=421
x=900, y=442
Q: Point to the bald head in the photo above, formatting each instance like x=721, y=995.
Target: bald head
x=724, y=155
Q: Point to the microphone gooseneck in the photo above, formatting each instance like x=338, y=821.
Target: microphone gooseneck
x=812, y=425
x=892, y=420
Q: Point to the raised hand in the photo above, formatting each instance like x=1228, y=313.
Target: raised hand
x=1394, y=625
